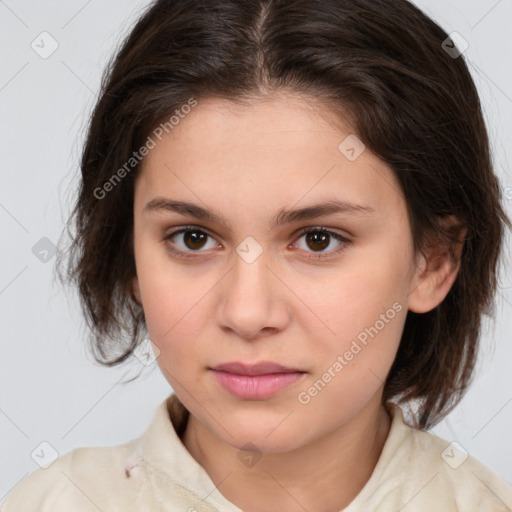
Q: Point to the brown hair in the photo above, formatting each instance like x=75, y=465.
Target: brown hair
x=379, y=62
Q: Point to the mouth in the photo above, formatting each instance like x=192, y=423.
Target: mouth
x=255, y=382
x=263, y=368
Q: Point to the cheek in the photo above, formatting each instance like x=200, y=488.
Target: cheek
x=364, y=308
x=170, y=308
x=354, y=300
x=175, y=307
x=367, y=314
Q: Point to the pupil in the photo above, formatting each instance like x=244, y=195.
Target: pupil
x=195, y=240
x=318, y=237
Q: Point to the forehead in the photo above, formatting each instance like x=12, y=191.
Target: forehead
x=282, y=149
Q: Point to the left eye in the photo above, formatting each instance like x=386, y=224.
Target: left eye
x=319, y=239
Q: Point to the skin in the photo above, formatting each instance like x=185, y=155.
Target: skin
x=248, y=162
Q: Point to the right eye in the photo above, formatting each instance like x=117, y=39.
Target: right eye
x=193, y=239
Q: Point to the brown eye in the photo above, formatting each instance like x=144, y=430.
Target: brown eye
x=189, y=240
x=194, y=239
x=318, y=240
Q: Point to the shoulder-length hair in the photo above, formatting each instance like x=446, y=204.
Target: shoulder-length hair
x=383, y=65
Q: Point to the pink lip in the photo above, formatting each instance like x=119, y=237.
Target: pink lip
x=255, y=382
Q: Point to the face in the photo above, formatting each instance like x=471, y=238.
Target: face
x=245, y=284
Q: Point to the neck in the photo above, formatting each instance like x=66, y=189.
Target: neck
x=324, y=476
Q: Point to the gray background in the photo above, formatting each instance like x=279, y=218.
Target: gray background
x=50, y=388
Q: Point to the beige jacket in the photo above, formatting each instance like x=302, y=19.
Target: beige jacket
x=416, y=472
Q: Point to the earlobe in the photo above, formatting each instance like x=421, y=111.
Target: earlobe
x=437, y=270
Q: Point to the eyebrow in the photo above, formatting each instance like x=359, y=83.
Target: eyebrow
x=327, y=207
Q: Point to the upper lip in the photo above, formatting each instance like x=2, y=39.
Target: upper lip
x=263, y=368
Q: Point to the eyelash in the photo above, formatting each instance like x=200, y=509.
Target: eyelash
x=315, y=256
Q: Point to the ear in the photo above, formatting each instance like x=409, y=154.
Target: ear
x=437, y=267
x=135, y=291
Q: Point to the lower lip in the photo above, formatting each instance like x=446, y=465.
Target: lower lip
x=256, y=387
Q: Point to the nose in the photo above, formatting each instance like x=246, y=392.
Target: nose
x=254, y=302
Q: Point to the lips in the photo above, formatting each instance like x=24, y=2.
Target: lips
x=257, y=381
x=263, y=368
